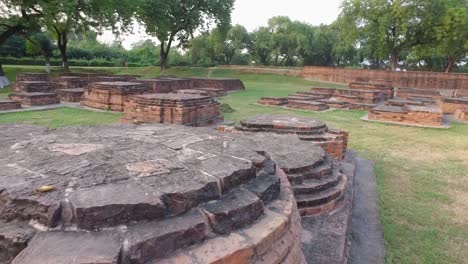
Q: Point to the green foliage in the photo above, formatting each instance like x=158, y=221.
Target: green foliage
x=171, y=20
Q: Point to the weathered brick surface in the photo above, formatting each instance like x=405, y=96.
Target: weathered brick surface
x=70, y=82
x=461, y=114
x=32, y=76
x=35, y=99
x=111, y=95
x=450, y=105
x=386, y=91
x=9, y=105
x=224, y=83
x=411, y=92
x=32, y=87
x=273, y=101
x=307, y=105
x=73, y=95
x=412, y=115
x=422, y=80
x=182, y=109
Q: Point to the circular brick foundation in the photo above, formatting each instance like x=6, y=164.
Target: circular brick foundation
x=149, y=194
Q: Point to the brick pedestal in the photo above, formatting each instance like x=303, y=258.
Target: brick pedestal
x=35, y=99
x=111, y=95
x=450, y=105
x=182, y=109
x=9, y=105
x=411, y=115
x=70, y=95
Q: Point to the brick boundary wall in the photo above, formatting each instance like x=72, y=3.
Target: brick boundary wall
x=423, y=80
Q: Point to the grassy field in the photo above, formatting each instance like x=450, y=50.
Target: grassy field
x=422, y=174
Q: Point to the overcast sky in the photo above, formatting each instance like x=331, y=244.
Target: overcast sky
x=255, y=13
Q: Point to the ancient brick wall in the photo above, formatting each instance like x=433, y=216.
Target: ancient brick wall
x=423, y=80
x=9, y=105
x=273, y=101
x=111, y=95
x=190, y=110
x=35, y=99
x=450, y=105
x=411, y=116
x=461, y=114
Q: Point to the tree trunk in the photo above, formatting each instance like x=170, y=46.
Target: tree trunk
x=450, y=64
x=164, y=52
x=394, y=59
x=62, y=43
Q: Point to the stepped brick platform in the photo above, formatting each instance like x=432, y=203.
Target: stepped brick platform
x=34, y=99
x=156, y=194
x=409, y=115
x=74, y=95
x=33, y=87
x=70, y=82
x=307, y=105
x=160, y=85
x=360, y=96
x=361, y=106
x=385, y=89
x=450, y=105
x=318, y=181
x=32, y=77
x=212, y=92
x=461, y=93
x=111, y=95
x=335, y=103
x=403, y=102
x=223, y=83
x=409, y=92
x=6, y=105
x=180, y=83
x=335, y=142
x=273, y=101
x=461, y=114
x=181, y=109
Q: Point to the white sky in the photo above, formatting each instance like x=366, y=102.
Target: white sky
x=255, y=13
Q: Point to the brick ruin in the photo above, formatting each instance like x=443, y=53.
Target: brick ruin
x=227, y=84
x=156, y=194
x=181, y=109
x=461, y=114
x=111, y=95
x=6, y=105
x=418, y=93
x=319, y=186
x=451, y=105
x=71, y=95
x=408, y=114
x=33, y=89
x=358, y=95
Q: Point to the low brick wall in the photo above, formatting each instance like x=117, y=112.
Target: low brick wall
x=35, y=99
x=273, y=101
x=9, y=105
x=461, y=114
x=408, y=92
x=181, y=109
x=224, y=83
x=111, y=95
x=70, y=95
x=450, y=105
x=411, y=115
x=423, y=80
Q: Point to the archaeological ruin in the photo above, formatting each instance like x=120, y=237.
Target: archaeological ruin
x=180, y=108
x=167, y=194
x=358, y=95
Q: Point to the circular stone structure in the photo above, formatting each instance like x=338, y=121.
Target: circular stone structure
x=335, y=142
x=151, y=194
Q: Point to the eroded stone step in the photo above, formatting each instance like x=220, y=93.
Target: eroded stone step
x=14, y=237
x=312, y=186
x=321, y=198
x=324, y=169
x=234, y=210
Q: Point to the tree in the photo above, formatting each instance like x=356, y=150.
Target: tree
x=40, y=43
x=62, y=17
x=171, y=20
x=261, y=47
x=388, y=26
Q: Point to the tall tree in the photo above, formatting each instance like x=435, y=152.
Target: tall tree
x=177, y=20
x=40, y=43
x=388, y=26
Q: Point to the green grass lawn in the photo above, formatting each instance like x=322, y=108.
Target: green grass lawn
x=422, y=174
